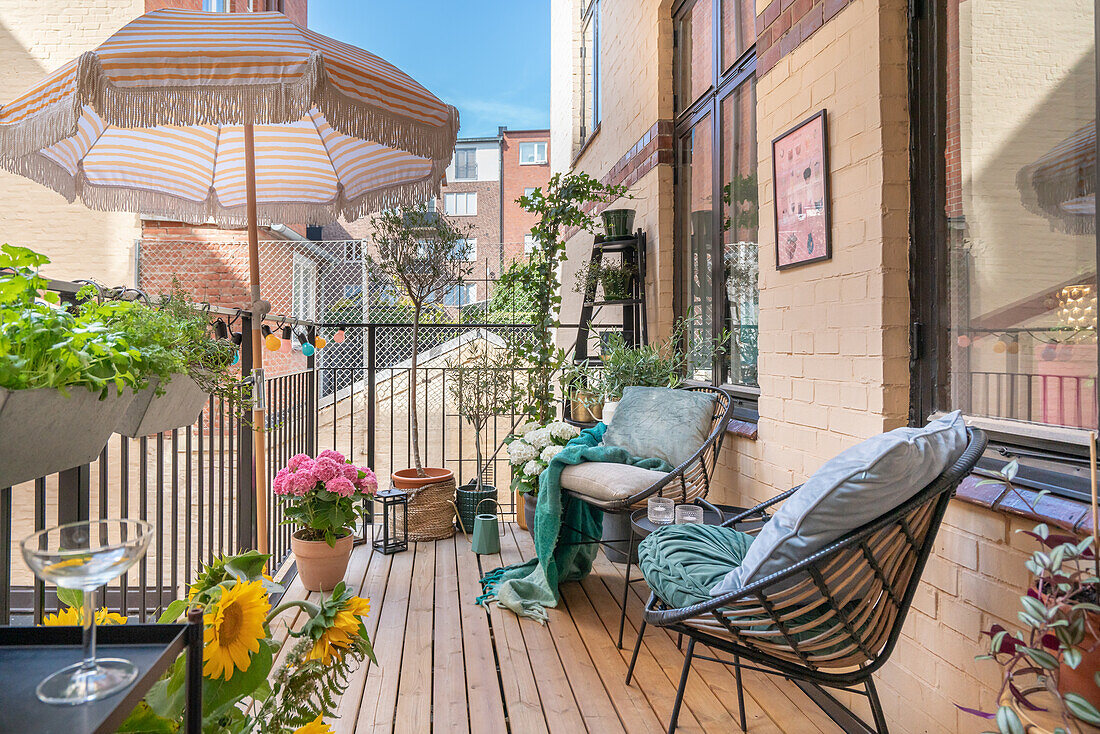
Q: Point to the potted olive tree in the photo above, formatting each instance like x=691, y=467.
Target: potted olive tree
x=425, y=254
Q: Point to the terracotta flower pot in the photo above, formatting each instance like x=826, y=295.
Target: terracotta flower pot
x=321, y=566
x=408, y=479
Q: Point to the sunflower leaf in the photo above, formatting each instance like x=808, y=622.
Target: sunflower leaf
x=219, y=695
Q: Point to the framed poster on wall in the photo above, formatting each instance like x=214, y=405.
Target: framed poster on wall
x=800, y=178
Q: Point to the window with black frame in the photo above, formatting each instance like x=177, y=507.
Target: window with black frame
x=1005, y=259
x=717, y=220
x=590, y=69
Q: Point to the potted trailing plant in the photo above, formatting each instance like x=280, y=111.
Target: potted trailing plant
x=530, y=449
x=618, y=281
x=242, y=690
x=322, y=496
x=183, y=364
x=482, y=387
x=424, y=253
x=559, y=206
x=63, y=375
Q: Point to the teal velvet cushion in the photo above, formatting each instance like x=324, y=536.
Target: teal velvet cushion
x=662, y=423
x=682, y=562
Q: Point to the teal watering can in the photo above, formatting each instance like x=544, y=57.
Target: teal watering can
x=486, y=536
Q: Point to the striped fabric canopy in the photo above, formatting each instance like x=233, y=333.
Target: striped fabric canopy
x=1061, y=184
x=140, y=124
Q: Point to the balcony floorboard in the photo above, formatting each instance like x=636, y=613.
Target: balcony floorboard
x=447, y=665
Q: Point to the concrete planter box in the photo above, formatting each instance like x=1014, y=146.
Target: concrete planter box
x=149, y=413
x=42, y=431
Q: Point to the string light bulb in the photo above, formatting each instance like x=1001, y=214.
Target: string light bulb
x=271, y=341
x=338, y=337
x=320, y=342
x=307, y=349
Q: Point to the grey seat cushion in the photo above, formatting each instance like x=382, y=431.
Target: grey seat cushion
x=662, y=423
x=604, y=481
x=848, y=491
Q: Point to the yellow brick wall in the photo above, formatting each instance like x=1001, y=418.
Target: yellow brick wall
x=35, y=39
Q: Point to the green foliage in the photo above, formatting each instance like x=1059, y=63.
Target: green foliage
x=304, y=689
x=1057, y=616
x=45, y=346
x=322, y=515
x=483, y=386
x=617, y=280
x=741, y=197
x=513, y=298
x=560, y=207
x=425, y=254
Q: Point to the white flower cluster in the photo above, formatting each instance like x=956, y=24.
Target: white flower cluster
x=550, y=452
x=526, y=428
x=562, y=431
x=540, y=438
x=532, y=468
x=521, y=452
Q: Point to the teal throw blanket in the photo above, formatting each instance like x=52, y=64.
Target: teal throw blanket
x=562, y=524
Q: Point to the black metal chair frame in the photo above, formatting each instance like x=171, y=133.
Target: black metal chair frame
x=815, y=676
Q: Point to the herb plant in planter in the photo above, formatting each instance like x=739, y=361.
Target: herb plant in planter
x=63, y=376
x=183, y=364
x=322, y=496
x=618, y=281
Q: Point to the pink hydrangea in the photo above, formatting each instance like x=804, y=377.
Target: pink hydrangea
x=301, y=483
x=368, y=483
x=340, y=485
x=350, y=471
x=279, y=484
x=334, y=455
x=326, y=468
x=299, y=461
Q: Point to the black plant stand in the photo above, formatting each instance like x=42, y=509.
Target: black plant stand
x=30, y=654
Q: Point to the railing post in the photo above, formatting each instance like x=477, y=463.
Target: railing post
x=372, y=398
x=246, y=522
x=311, y=395
x=73, y=494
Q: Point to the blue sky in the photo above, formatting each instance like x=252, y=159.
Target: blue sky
x=489, y=58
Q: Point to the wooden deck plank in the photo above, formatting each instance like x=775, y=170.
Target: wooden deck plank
x=449, y=705
x=482, y=684
x=379, y=700
x=588, y=690
x=518, y=682
x=414, y=702
x=558, y=702
x=371, y=586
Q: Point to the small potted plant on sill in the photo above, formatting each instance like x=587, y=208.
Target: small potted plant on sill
x=64, y=376
x=530, y=449
x=322, y=496
x=482, y=387
x=425, y=254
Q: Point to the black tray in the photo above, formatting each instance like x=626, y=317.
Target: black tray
x=30, y=654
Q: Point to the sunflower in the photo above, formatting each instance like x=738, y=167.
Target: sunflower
x=317, y=726
x=72, y=616
x=342, y=633
x=234, y=628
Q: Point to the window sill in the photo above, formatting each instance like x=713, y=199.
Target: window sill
x=533, y=163
x=1061, y=512
x=742, y=429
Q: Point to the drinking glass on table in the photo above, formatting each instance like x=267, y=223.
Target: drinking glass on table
x=689, y=515
x=661, y=510
x=85, y=556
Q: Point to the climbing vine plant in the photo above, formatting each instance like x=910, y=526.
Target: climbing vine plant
x=561, y=209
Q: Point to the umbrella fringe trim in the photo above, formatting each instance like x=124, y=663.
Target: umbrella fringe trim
x=161, y=205
x=263, y=104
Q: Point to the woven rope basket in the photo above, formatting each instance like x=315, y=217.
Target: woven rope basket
x=432, y=511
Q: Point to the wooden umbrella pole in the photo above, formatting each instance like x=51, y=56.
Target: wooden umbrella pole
x=259, y=454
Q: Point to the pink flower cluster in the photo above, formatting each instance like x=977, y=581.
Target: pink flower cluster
x=330, y=471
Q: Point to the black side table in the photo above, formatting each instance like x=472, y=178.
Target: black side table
x=640, y=527
x=30, y=654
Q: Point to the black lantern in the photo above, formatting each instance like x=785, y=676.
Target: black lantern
x=393, y=536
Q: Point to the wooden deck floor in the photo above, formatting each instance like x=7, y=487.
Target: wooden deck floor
x=448, y=665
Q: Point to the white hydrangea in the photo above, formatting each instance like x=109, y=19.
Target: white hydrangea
x=562, y=431
x=549, y=453
x=539, y=438
x=532, y=468
x=526, y=428
x=520, y=452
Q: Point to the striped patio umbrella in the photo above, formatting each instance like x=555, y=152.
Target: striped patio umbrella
x=1061, y=184
x=235, y=118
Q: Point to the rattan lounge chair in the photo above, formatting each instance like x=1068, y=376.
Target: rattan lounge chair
x=831, y=620
x=621, y=489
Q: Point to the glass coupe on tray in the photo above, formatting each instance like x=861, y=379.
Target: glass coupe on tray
x=84, y=556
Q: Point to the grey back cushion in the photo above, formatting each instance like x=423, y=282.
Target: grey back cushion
x=849, y=490
x=661, y=423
